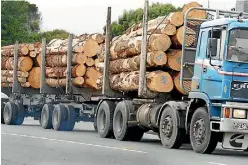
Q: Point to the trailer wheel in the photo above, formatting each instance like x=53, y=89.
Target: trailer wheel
x=95, y=124
x=19, y=115
x=202, y=139
x=105, y=119
x=171, y=136
x=46, y=116
x=59, y=118
x=120, y=123
x=71, y=117
x=10, y=113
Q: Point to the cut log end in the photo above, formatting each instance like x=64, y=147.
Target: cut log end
x=156, y=58
x=34, y=77
x=159, y=42
x=99, y=38
x=196, y=14
x=176, y=19
x=90, y=62
x=174, y=59
x=91, y=48
x=78, y=81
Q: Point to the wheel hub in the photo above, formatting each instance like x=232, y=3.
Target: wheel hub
x=199, y=131
x=167, y=127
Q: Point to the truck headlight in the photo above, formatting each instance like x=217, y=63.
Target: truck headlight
x=239, y=113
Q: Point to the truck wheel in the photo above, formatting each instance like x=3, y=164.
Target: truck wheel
x=10, y=113
x=59, y=118
x=105, y=119
x=171, y=136
x=46, y=116
x=71, y=117
x=95, y=124
x=202, y=139
x=2, y=110
x=20, y=114
x=120, y=123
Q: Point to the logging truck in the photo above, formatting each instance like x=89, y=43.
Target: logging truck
x=213, y=80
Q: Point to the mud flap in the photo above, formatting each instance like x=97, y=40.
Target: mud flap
x=235, y=141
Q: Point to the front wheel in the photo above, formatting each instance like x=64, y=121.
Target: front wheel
x=10, y=113
x=202, y=139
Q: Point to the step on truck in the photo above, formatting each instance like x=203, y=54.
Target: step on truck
x=214, y=108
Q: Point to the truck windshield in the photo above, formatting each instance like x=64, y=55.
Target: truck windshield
x=238, y=45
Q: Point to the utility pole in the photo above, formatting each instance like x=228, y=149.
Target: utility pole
x=142, y=76
x=208, y=3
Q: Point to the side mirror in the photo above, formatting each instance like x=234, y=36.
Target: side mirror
x=212, y=47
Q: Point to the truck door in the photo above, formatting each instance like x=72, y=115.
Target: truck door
x=211, y=79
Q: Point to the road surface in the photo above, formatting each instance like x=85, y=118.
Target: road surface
x=30, y=144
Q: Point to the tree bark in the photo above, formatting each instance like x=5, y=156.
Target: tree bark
x=5, y=85
x=79, y=58
x=25, y=63
x=56, y=61
x=174, y=59
x=11, y=79
x=9, y=51
x=34, y=77
x=53, y=82
x=157, y=81
x=9, y=73
x=99, y=38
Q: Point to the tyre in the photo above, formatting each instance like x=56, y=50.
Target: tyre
x=2, y=110
x=171, y=136
x=19, y=115
x=10, y=113
x=59, y=118
x=105, y=119
x=71, y=117
x=202, y=139
x=95, y=124
x=120, y=123
x=46, y=116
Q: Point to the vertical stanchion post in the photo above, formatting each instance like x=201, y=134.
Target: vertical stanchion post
x=142, y=76
x=68, y=72
x=15, y=79
x=43, y=66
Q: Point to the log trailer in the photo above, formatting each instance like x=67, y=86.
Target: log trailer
x=214, y=109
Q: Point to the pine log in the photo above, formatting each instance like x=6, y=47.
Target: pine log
x=174, y=59
x=9, y=73
x=25, y=63
x=32, y=54
x=91, y=77
x=9, y=51
x=26, y=84
x=91, y=48
x=155, y=58
x=37, y=50
x=31, y=47
x=176, y=80
x=132, y=46
x=53, y=82
x=97, y=61
x=176, y=19
x=37, y=60
x=90, y=61
x=34, y=77
x=11, y=79
x=79, y=70
x=99, y=38
x=200, y=14
x=56, y=61
x=157, y=81
x=56, y=72
x=177, y=39
x=79, y=58
x=78, y=81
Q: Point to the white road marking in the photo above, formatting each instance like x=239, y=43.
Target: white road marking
x=73, y=142
x=216, y=163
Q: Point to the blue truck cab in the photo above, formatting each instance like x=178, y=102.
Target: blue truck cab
x=217, y=67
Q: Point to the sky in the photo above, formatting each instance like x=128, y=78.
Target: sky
x=89, y=16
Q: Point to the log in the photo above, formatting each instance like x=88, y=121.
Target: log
x=200, y=14
x=155, y=58
x=56, y=61
x=25, y=85
x=132, y=46
x=34, y=77
x=176, y=80
x=78, y=81
x=32, y=54
x=9, y=51
x=174, y=59
x=157, y=81
x=31, y=47
x=9, y=73
x=91, y=77
x=25, y=63
x=11, y=79
x=79, y=70
x=79, y=59
x=91, y=48
x=99, y=38
x=90, y=62
x=176, y=19
x=24, y=50
x=177, y=39
x=52, y=82
x=56, y=72
x=97, y=61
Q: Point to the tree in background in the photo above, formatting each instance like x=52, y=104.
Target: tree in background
x=128, y=18
x=20, y=21
x=57, y=33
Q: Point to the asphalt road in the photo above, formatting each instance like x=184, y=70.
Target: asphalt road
x=30, y=144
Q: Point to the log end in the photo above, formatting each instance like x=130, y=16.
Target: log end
x=34, y=77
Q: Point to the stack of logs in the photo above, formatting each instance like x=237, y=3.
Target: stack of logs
x=27, y=55
x=165, y=39
x=86, y=49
